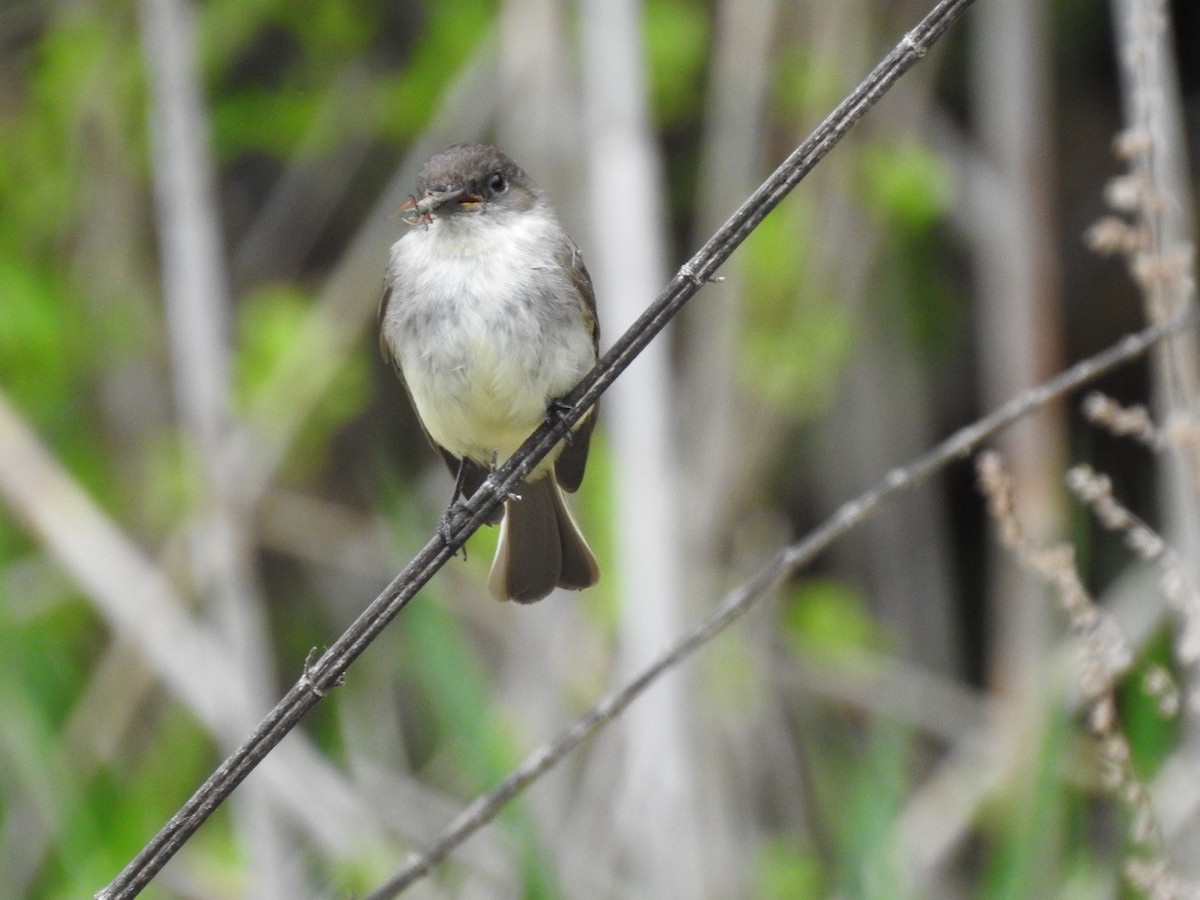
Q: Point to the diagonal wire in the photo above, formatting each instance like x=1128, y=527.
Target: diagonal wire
x=463, y=521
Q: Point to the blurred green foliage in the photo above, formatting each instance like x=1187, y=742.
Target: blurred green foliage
x=270, y=320
x=308, y=51
x=795, y=332
x=460, y=719
x=1027, y=826
x=905, y=184
x=676, y=41
x=807, y=85
x=827, y=620
x=1154, y=733
x=789, y=871
x=861, y=798
x=906, y=188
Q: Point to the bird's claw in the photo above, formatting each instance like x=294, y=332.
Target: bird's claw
x=556, y=415
x=443, y=526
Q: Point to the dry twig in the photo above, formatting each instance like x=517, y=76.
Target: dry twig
x=1103, y=655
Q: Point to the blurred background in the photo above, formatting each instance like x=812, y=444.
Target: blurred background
x=206, y=471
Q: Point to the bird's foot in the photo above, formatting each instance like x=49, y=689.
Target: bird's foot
x=444, y=530
x=556, y=415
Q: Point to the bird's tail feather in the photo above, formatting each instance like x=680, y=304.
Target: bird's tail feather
x=540, y=547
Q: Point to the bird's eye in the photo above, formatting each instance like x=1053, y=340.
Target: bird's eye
x=497, y=183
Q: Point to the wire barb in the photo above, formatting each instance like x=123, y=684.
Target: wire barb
x=686, y=271
x=306, y=678
x=916, y=45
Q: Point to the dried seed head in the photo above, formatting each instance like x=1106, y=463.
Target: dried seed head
x=1113, y=236
x=1132, y=143
x=1126, y=193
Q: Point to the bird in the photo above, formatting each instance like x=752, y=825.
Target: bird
x=488, y=317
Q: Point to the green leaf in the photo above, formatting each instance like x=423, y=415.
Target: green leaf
x=828, y=619
x=676, y=40
x=905, y=184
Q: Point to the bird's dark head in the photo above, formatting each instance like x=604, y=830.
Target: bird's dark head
x=472, y=179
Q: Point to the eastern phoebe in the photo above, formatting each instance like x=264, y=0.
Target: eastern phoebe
x=489, y=317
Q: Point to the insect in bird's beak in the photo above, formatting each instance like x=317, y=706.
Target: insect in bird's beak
x=412, y=213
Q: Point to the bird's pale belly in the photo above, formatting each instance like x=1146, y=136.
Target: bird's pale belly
x=481, y=413
x=482, y=387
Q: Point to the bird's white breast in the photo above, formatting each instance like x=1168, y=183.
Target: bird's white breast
x=487, y=328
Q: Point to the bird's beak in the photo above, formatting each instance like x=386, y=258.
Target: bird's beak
x=429, y=202
x=438, y=199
